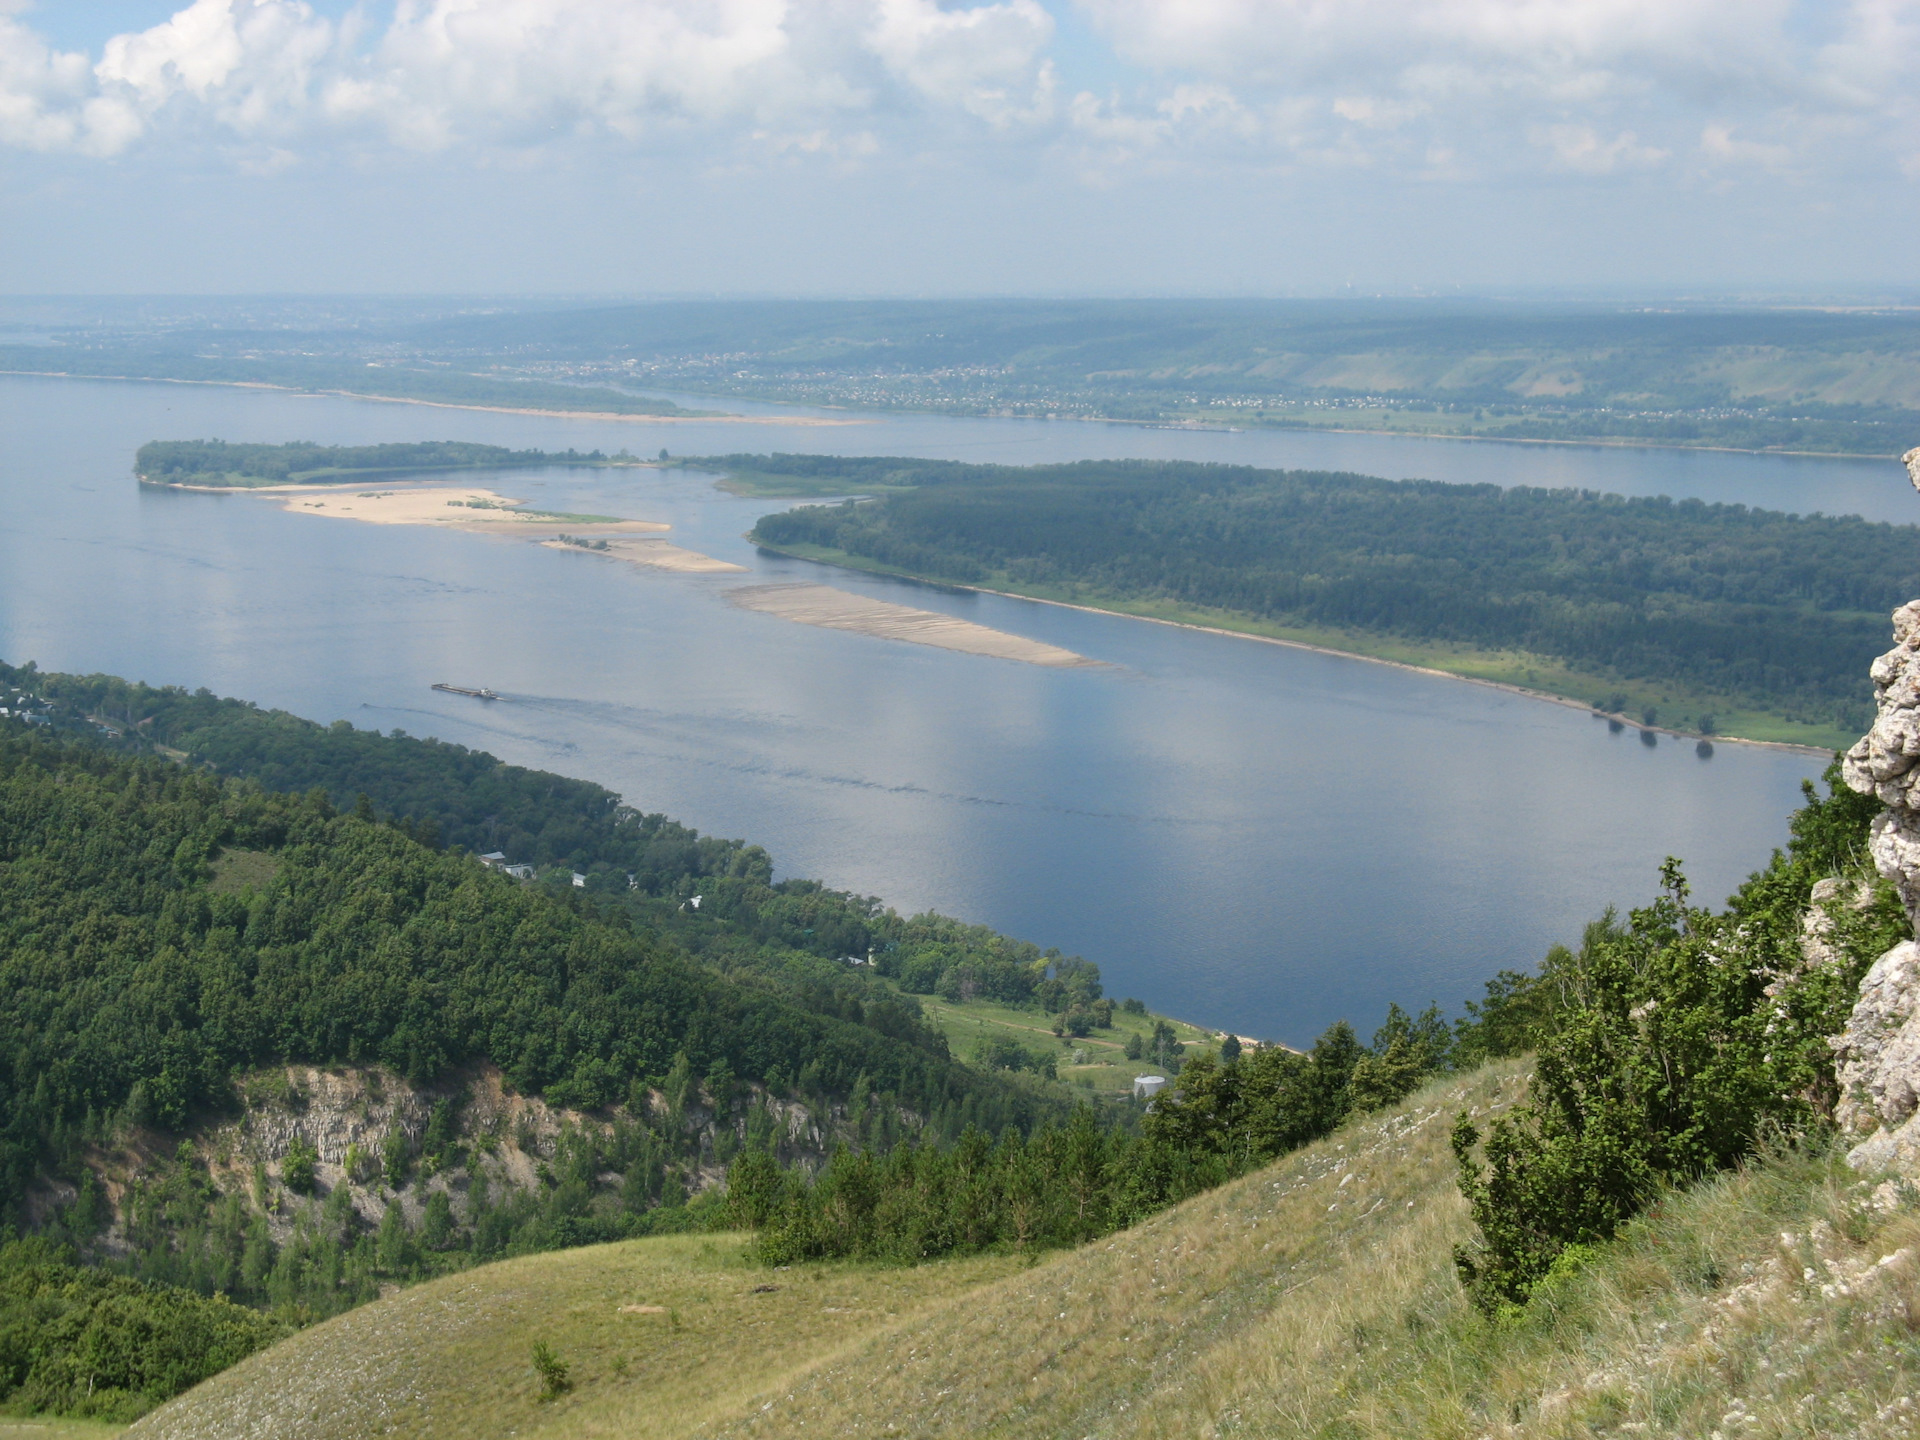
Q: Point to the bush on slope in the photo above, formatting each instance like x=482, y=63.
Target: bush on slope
x=1681, y=1040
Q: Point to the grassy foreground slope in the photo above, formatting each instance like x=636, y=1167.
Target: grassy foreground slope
x=1315, y=1297
x=660, y=1337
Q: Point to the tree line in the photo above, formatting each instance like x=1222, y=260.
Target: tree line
x=185, y=461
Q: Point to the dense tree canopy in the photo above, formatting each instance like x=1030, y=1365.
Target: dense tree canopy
x=161, y=928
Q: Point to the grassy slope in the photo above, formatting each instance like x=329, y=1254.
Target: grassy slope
x=41, y=1427
x=1679, y=706
x=1314, y=1298
x=451, y=1358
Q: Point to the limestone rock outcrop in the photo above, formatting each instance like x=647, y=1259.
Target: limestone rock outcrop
x=1878, y=1054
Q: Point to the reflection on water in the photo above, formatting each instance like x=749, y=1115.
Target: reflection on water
x=1240, y=833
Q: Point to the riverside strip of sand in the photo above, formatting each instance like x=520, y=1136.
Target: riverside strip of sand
x=486, y=512
x=822, y=605
x=447, y=507
x=654, y=555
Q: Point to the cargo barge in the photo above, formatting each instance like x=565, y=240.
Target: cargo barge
x=481, y=694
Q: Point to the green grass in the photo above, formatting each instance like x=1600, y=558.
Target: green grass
x=44, y=1427
x=1678, y=707
x=1107, y=1069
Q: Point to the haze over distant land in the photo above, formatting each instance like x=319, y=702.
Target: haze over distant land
x=908, y=147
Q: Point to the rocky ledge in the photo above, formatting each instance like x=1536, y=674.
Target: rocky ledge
x=1878, y=1054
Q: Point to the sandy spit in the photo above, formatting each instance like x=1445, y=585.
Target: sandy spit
x=808, y=604
x=654, y=554
x=446, y=507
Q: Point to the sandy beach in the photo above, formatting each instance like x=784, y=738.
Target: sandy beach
x=447, y=507
x=654, y=555
x=822, y=605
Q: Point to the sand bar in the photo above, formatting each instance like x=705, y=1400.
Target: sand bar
x=822, y=605
x=655, y=555
x=446, y=507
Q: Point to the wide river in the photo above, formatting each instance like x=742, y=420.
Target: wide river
x=1241, y=834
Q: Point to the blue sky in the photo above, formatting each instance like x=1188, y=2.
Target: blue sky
x=916, y=147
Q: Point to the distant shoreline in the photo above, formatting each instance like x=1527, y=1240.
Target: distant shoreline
x=1511, y=689
x=809, y=420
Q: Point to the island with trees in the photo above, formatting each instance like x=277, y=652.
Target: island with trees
x=1703, y=618
x=220, y=464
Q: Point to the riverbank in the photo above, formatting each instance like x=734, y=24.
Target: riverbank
x=1531, y=677
x=644, y=417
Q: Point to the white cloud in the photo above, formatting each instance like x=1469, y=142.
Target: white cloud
x=1422, y=88
x=1580, y=148
x=1596, y=86
x=515, y=73
x=988, y=61
x=42, y=92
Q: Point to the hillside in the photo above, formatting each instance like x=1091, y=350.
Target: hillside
x=1313, y=1297
x=795, y=934
x=1706, y=618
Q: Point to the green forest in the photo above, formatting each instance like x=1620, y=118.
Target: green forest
x=218, y=462
x=1742, y=609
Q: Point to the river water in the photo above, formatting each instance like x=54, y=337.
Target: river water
x=1241, y=834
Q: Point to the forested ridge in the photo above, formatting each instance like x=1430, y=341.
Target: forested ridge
x=135, y=984
x=793, y=932
x=183, y=462
x=1776, y=612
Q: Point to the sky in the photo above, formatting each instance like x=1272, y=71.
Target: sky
x=911, y=147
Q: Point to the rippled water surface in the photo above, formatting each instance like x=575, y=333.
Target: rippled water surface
x=1239, y=833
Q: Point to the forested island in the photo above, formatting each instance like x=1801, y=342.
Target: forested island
x=1708, y=618
x=301, y=462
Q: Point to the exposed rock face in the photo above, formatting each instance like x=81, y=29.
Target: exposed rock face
x=1878, y=1054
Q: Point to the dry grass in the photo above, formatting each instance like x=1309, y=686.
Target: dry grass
x=45, y=1428
x=1254, y=1289
x=660, y=1336
x=1315, y=1298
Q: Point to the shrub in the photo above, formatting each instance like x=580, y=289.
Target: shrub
x=555, y=1379
x=1675, y=1043
x=298, y=1169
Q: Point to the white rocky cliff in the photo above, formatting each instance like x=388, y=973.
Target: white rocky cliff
x=1878, y=1054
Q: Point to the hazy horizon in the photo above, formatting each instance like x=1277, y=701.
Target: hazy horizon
x=904, y=148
